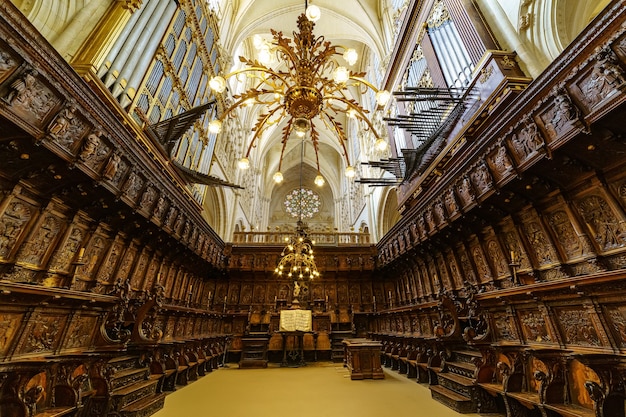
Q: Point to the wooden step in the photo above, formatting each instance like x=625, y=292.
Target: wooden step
x=128, y=376
x=456, y=378
x=123, y=362
x=571, y=410
x=128, y=395
x=56, y=412
x=451, y=399
x=145, y=406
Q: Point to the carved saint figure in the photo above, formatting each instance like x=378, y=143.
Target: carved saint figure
x=6, y=62
x=90, y=146
x=564, y=112
x=501, y=160
x=527, y=140
x=61, y=124
x=605, y=77
x=23, y=90
x=111, y=169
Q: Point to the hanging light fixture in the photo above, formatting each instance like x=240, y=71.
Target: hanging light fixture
x=297, y=260
x=307, y=87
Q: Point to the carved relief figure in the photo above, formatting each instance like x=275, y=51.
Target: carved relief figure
x=527, y=140
x=430, y=220
x=563, y=113
x=566, y=234
x=465, y=192
x=43, y=335
x=578, y=328
x=148, y=199
x=539, y=242
x=37, y=246
x=450, y=200
x=606, y=76
x=6, y=62
x=482, y=178
x=618, y=320
x=481, y=265
x=22, y=90
x=602, y=222
x=28, y=94
x=62, y=122
x=467, y=268
x=496, y=257
x=112, y=166
x=503, y=327
x=90, y=146
x=62, y=259
x=133, y=185
x=439, y=211
x=501, y=161
x=534, y=327
x=11, y=225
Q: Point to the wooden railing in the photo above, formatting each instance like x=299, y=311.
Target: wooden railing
x=319, y=238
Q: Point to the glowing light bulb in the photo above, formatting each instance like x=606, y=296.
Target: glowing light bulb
x=215, y=126
x=350, y=172
x=350, y=55
x=341, y=75
x=381, y=145
x=382, y=97
x=278, y=177
x=313, y=13
x=319, y=180
x=351, y=113
x=217, y=84
x=244, y=163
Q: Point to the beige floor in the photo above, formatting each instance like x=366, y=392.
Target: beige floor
x=323, y=390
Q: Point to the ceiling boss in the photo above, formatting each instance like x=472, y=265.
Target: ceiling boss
x=308, y=86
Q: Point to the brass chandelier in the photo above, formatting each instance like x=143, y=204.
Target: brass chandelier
x=314, y=85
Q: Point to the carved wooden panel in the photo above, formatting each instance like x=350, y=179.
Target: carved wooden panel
x=504, y=327
x=13, y=222
x=43, y=332
x=10, y=320
x=577, y=327
x=81, y=331
x=478, y=256
x=30, y=97
x=534, y=327
x=606, y=226
x=616, y=317
x=538, y=239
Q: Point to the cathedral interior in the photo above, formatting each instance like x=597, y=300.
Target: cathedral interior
x=463, y=188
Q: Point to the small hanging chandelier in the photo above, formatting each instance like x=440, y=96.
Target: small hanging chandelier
x=297, y=260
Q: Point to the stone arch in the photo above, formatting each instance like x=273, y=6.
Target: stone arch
x=389, y=214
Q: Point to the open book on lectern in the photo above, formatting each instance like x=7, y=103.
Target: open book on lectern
x=295, y=320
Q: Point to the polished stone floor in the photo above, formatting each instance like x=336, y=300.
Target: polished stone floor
x=320, y=390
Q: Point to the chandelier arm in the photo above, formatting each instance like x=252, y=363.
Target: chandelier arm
x=323, y=59
x=365, y=82
x=315, y=141
x=280, y=48
x=255, y=68
x=358, y=109
x=260, y=124
x=247, y=95
x=342, y=136
x=284, y=141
